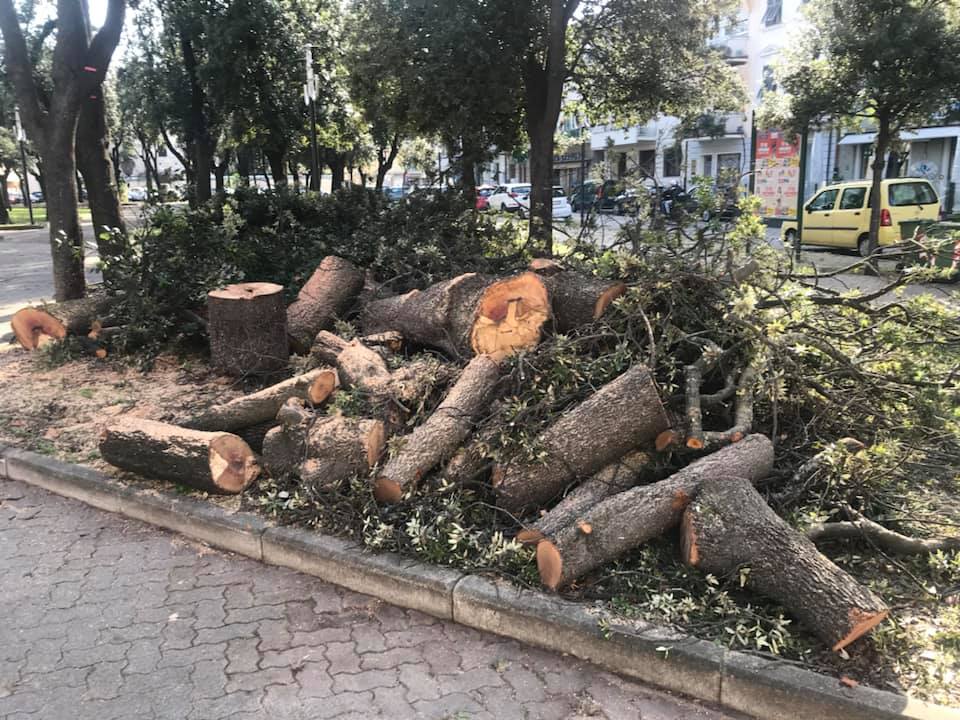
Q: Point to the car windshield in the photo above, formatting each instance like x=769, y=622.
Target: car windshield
x=558, y=192
x=486, y=192
x=913, y=193
x=521, y=189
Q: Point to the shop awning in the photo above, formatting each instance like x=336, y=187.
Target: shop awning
x=916, y=135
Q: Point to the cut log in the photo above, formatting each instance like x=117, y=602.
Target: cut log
x=391, y=341
x=314, y=386
x=357, y=364
x=729, y=527
x=469, y=315
x=579, y=299
x=330, y=291
x=623, y=474
x=471, y=462
x=32, y=326
x=216, y=462
x=623, y=521
x=338, y=447
x=248, y=328
x=624, y=414
x=442, y=433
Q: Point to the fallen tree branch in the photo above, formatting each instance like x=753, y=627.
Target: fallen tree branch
x=860, y=527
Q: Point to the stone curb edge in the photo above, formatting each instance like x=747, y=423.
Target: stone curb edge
x=762, y=687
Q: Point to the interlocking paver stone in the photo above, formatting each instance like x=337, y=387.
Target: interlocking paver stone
x=105, y=617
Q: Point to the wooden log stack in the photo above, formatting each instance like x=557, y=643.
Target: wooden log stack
x=608, y=474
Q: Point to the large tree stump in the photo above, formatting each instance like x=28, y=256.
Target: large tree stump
x=332, y=288
x=248, y=328
x=616, y=477
x=314, y=386
x=216, y=462
x=729, y=526
x=623, y=521
x=33, y=326
x=469, y=315
x=620, y=416
x=442, y=433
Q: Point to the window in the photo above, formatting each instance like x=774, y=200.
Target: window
x=852, y=198
x=672, y=159
x=774, y=13
x=824, y=201
x=913, y=193
x=728, y=168
x=708, y=165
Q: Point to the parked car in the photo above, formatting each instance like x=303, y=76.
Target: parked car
x=561, y=206
x=504, y=197
x=137, y=194
x=607, y=195
x=36, y=196
x=393, y=193
x=15, y=197
x=483, y=196
x=839, y=215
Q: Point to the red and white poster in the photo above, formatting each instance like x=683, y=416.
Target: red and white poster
x=777, y=179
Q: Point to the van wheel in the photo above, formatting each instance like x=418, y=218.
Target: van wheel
x=864, y=246
x=520, y=213
x=789, y=239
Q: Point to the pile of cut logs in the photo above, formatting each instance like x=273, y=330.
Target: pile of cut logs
x=598, y=488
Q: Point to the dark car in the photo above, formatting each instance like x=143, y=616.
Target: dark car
x=393, y=193
x=600, y=196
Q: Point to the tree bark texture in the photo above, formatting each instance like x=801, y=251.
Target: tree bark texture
x=442, y=433
x=469, y=314
x=339, y=447
x=621, y=416
x=625, y=520
x=315, y=387
x=57, y=320
x=331, y=289
x=632, y=469
x=729, y=528
x=579, y=299
x=99, y=176
x=211, y=461
x=247, y=324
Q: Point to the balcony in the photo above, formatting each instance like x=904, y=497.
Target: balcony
x=602, y=136
x=732, y=42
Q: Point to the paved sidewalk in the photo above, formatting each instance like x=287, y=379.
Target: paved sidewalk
x=103, y=617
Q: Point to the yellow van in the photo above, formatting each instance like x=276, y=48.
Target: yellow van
x=839, y=215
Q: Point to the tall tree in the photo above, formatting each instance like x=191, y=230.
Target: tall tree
x=892, y=63
x=79, y=64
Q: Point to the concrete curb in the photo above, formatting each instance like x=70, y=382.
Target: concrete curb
x=762, y=687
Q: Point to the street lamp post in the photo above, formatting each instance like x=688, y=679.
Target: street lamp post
x=309, y=99
x=23, y=163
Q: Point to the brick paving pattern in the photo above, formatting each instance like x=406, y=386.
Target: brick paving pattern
x=104, y=617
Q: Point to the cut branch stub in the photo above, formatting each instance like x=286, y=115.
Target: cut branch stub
x=248, y=328
x=510, y=316
x=216, y=462
x=729, y=527
x=331, y=289
x=623, y=521
x=442, y=433
x=624, y=414
x=34, y=326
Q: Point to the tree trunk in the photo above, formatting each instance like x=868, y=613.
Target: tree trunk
x=330, y=291
x=339, y=447
x=337, y=167
x=315, y=386
x=616, y=477
x=883, y=142
x=4, y=198
x=66, y=238
x=244, y=164
x=248, y=328
x=623, y=521
x=541, y=187
x=442, y=433
x=385, y=160
x=621, y=416
x=470, y=314
x=198, y=135
x=96, y=167
x=729, y=527
x=210, y=461
x=220, y=173
x=278, y=167
x=296, y=176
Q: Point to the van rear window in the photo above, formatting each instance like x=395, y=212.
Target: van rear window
x=912, y=193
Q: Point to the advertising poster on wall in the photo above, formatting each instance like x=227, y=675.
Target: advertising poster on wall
x=777, y=180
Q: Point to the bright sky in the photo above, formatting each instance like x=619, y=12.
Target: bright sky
x=98, y=12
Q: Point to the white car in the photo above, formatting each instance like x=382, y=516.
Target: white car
x=561, y=206
x=506, y=197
